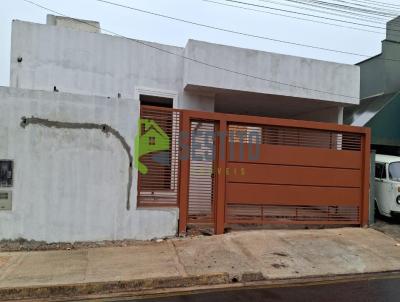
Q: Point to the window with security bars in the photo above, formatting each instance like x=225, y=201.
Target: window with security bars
x=158, y=187
x=6, y=173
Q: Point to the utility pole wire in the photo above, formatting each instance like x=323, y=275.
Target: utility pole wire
x=230, y=30
x=291, y=17
x=306, y=14
x=240, y=33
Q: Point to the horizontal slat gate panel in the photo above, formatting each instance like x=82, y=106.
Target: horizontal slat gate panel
x=292, y=175
x=297, y=175
x=201, y=181
x=284, y=214
x=290, y=195
x=300, y=156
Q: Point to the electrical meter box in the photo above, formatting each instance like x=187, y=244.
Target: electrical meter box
x=5, y=201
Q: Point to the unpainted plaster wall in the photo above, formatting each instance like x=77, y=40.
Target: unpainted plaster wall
x=70, y=183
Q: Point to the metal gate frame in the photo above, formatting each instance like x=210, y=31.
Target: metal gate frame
x=222, y=121
x=219, y=182
x=182, y=123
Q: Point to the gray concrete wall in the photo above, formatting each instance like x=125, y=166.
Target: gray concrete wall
x=78, y=24
x=381, y=74
x=88, y=63
x=391, y=52
x=393, y=30
x=70, y=184
x=373, y=75
x=81, y=62
x=332, y=114
x=327, y=81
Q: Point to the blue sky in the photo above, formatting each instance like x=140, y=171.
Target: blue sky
x=152, y=28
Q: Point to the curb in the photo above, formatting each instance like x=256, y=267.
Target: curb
x=112, y=287
x=175, y=286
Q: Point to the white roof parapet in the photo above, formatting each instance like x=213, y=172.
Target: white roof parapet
x=78, y=24
x=271, y=73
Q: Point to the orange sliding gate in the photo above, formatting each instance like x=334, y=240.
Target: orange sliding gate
x=235, y=169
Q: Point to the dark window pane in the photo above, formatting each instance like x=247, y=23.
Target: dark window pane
x=159, y=101
x=383, y=171
x=380, y=170
x=6, y=173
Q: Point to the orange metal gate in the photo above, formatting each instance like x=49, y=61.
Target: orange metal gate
x=301, y=176
x=304, y=172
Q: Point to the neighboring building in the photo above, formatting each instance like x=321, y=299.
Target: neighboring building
x=380, y=94
x=69, y=178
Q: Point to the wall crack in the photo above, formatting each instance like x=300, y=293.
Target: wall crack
x=25, y=121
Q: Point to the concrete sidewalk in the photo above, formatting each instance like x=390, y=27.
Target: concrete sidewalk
x=201, y=261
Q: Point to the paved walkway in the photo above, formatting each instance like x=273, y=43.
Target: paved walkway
x=389, y=226
x=241, y=256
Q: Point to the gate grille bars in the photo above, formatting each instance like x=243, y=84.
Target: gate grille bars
x=201, y=175
x=159, y=187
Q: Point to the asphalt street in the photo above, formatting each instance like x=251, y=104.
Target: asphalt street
x=382, y=289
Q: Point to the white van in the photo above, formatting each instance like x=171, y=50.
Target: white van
x=387, y=185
